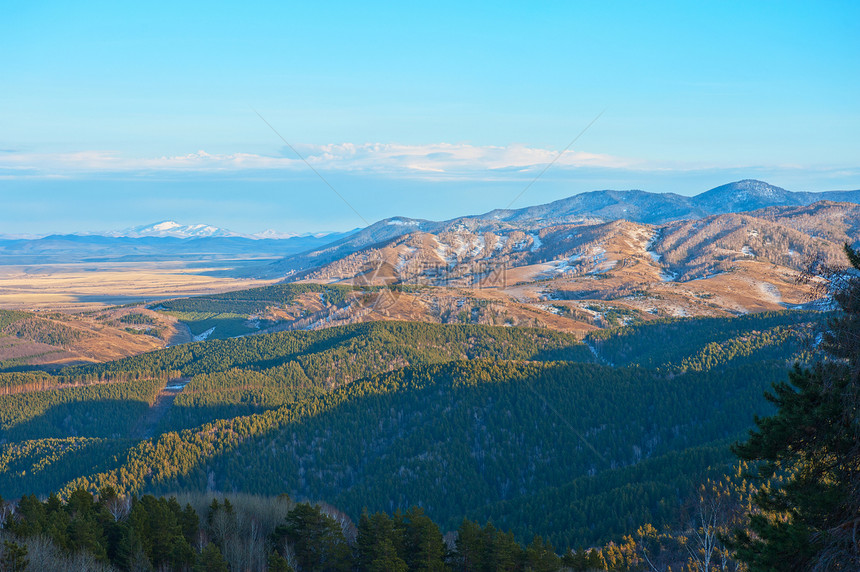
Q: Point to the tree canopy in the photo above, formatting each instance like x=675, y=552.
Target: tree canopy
x=809, y=519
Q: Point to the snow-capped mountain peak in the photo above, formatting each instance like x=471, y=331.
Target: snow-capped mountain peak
x=171, y=228
x=165, y=226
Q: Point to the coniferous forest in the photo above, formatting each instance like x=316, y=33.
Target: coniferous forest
x=683, y=444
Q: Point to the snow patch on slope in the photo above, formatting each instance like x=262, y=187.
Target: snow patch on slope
x=204, y=335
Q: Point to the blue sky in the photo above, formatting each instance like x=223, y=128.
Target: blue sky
x=113, y=115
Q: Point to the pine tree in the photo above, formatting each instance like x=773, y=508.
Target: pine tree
x=211, y=560
x=387, y=559
x=376, y=533
x=278, y=563
x=541, y=556
x=811, y=519
x=425, y=549
x=14, y=557
x=316, y=538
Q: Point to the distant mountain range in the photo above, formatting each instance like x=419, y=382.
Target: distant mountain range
x=591, y=260
x=585, y=208
x=169, y=228
x=660, y=208
x=166, y=240
x=299, y=254
x=173, y=229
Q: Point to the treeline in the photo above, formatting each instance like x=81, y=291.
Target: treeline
x=12, y=383
x=256, y=300
x=248, y=375
x=305, y=364
x=366, y=350
x=112, y=532
x=250, y=533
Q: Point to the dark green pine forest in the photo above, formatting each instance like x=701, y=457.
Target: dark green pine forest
x=414, y=446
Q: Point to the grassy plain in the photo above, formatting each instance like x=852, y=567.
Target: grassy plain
x=90, y=299
x=88, y=286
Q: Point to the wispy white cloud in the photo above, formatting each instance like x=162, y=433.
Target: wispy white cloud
x=436, y=162
x=455, y=157
x=450, y=159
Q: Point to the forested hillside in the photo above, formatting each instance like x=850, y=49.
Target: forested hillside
x=462, y=436
x=705, y=343
x=465, y=421
x=352, y=351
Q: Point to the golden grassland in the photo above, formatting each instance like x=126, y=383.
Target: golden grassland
x=86, y=286
x=84, y=297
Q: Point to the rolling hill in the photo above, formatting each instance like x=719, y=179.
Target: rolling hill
x=571, y=276
x=591, y=207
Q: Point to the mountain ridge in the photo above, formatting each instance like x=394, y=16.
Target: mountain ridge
x=66, y=248
x=591, y=207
